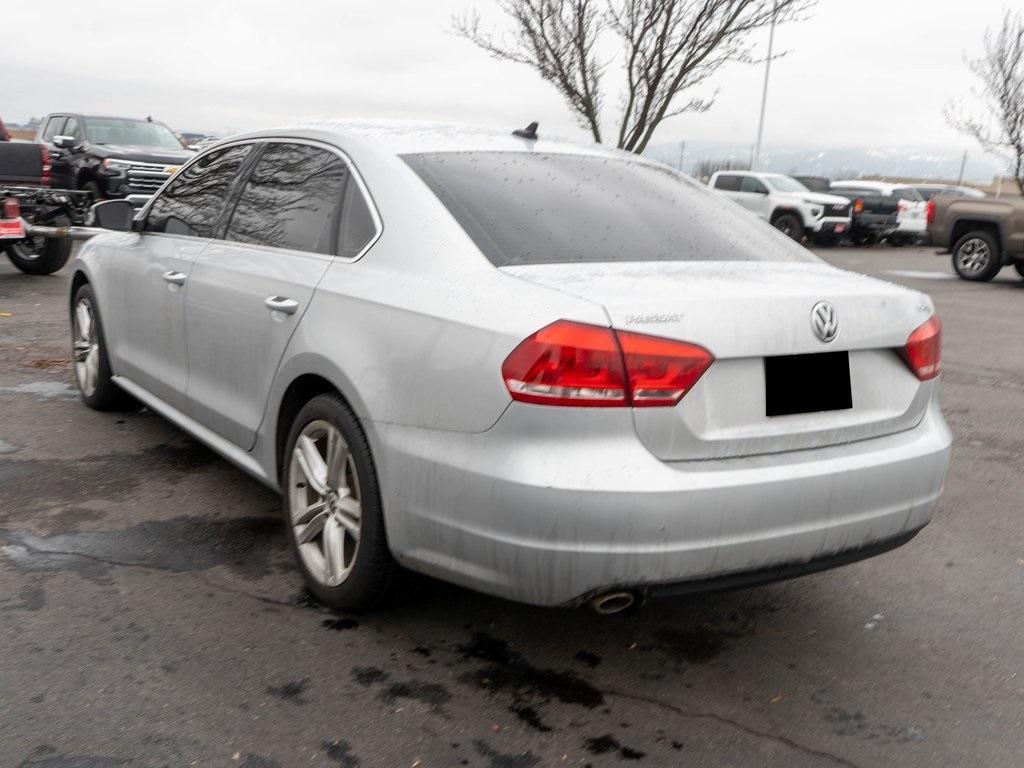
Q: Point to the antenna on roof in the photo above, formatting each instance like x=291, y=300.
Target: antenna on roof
x=529, y=132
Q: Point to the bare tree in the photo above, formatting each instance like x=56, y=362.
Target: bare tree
x=999, y=126
x=669, y=47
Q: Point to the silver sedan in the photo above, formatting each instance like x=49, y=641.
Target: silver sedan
x=555, y=373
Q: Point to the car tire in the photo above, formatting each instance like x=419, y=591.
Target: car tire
x=333, y=511
x=1019, y=266
x=42, y=255
x=790, y=225
x=977, y=257
x=89, y=354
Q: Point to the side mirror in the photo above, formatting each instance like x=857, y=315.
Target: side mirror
x=116, y=215
x=64, y=142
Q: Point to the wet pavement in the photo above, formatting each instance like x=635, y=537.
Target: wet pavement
x=150, y=614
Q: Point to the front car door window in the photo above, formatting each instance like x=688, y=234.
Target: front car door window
x=193, y=203
x=753, y=186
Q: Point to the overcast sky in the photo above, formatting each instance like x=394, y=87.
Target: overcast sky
x=864, y=73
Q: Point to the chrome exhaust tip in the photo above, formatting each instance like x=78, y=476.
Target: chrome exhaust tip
x=612, y=602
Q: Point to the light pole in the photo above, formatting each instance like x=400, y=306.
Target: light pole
x=764, y=92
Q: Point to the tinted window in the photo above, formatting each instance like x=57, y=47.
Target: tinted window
x=728, y=182
x=193, y=202
x=291, y=199
x=53, y=126
x=357, y=225
x=750, y=184
x=527, y=208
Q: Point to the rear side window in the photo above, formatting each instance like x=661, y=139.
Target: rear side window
x=728, y=182
x=531, y=208
x=193, y=202
x=358, y=227
x=291, y=199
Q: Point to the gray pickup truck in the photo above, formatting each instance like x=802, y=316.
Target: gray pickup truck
x=984, y=235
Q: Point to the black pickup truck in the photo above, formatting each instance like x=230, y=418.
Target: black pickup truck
x=873, y=216
x=110, y=156
x=28, y=200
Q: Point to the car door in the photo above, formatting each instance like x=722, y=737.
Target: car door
x=61, y=173
x=146, y=278
x=249, y=290
x=753, y=196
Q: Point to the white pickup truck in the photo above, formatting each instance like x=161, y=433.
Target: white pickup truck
x=787, y=204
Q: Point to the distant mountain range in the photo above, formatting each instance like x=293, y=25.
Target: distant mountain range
x=834, y=163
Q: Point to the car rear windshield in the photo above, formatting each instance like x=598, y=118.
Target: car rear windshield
x=534, y=208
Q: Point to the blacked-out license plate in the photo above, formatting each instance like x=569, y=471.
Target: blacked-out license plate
x=807, y=383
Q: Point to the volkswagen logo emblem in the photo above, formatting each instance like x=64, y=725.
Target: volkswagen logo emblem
x=824, y=321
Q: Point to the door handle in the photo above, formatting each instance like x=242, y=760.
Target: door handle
x=281, y=304
x=175, y=278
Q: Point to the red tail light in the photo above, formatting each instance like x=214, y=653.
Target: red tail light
x=12, y=208
x=46, y=164
x=575, y=364
x=858, y=205
x=923, y=350
x=931, y=211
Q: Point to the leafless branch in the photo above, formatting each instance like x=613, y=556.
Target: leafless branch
x=997, y=120
x=557, y=38
x=670, y=47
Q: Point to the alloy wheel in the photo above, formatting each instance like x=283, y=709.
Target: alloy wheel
x=86, y=347
x=973, y=256
x=326, y=509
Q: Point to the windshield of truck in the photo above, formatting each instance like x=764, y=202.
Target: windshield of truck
x=782, y=183
x=131, y=133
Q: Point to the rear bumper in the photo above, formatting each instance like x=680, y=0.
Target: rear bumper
x=875, y=223
x=532, y=511
x=832, y=225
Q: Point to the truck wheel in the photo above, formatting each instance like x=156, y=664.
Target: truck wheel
x=976, y=256
x=790, y=226
x=41, y=255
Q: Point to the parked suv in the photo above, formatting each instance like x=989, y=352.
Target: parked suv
x=787, y=204
x=110, y=156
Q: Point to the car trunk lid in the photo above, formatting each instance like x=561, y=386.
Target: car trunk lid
x=745, y=312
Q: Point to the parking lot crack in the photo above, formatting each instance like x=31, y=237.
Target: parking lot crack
x=735, y=724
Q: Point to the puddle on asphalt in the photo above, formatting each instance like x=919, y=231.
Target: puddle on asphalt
x=250, y=546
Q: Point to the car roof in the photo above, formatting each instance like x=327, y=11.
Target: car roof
x=401, y=137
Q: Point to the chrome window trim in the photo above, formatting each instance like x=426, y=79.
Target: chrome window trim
x=371, y=204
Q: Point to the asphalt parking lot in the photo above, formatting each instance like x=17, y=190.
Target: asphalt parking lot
x=150, y=614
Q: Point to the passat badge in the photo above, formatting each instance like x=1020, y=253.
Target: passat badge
x=824, y=321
